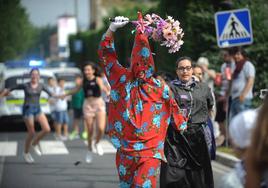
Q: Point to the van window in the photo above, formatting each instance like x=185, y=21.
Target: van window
x=15, y=80
x=67, y=77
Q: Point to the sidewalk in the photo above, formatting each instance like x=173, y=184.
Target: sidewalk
x=226, y=159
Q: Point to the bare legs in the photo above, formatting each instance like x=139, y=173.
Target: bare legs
x=76, y=124
x=45, y=129
x=31, y=132
x=100, y=123
x=89, y=125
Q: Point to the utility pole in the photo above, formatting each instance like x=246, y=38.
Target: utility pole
x=93, y=14
x=76, y=14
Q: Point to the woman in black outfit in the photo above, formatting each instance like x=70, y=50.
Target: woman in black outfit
x=188, y=160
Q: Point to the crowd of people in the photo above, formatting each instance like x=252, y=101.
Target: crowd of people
x=87, y=105
x=158, y=124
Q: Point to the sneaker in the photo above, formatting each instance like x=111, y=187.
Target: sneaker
x=74, y=135
x=28, y=158
x=89, y=157
x=37, y=149
x=57, y=137
x=99, y=149
x=64, y=138
x=93, y=146
x=84, y=135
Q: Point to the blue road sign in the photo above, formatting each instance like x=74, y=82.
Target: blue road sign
x=233, y=28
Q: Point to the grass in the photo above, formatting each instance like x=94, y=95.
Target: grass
x=224, y=149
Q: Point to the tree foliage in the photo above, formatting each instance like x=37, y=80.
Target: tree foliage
x=197, y=20
x=39, y=47
x=258, y=51
x=90, y=39
x=16, y=31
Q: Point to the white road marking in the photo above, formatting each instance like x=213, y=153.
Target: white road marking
x=106, y=145
x=8, y=148
x=49, y=147
x=53, y=148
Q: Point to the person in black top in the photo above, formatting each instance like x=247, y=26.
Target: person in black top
x=31, y=110
x=188, y=160
x=93, y=107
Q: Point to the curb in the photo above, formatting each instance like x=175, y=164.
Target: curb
x=226, y=159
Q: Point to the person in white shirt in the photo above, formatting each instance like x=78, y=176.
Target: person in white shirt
x=242, y=82
x=52, y=86
x=61, y=113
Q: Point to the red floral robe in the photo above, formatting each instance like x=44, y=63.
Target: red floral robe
x=140, y=109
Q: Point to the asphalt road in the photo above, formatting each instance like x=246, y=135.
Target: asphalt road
x=62, y=165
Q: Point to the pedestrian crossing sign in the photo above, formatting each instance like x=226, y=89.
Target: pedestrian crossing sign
x=233, y=28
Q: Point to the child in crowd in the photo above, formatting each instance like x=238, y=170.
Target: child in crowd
x=77, y=107
x=61, y=114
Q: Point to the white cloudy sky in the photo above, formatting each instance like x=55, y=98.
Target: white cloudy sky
x=44, y=12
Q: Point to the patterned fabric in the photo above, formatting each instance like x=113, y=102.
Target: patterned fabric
x=141, y=56
x=136, y=171
x=140, y=107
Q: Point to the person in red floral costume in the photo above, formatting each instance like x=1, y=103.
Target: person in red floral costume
x=140, y=109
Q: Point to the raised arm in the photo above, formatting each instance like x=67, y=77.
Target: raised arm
x=74, y=90
x=103, y=87
x=47, y=91
x=107, y=54
x=6, y=91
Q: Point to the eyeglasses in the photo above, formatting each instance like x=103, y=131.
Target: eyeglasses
x=182, y=69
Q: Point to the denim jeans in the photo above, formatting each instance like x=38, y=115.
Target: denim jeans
x=237, y=106
x=31, y=111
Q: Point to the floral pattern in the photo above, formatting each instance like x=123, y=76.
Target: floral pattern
x=134, y=102
x=139, y=108
x=137, y=172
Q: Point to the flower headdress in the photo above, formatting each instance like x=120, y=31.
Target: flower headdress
x=166, y=31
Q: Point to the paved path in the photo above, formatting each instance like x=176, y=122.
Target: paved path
x=62, y=165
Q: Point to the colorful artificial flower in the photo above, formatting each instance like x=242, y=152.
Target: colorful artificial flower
x=166, y=31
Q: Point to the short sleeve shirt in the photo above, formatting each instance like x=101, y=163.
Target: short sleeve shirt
x=240, y=82
x=32, y=95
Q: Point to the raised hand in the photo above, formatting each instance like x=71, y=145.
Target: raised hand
x=118, y=22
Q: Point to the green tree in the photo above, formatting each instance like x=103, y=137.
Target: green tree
x=16, y=31
x=258, y=51
x=124, y=38
x=197, y=20
x=40, y=44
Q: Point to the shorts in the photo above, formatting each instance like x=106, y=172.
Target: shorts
x=92, y=106
x=78, y=113
x=31, y=111
x=62, y=117
x=53, y=115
